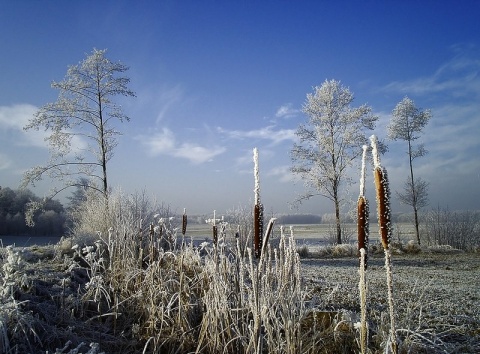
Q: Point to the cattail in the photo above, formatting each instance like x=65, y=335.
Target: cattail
x=362, y=225
x=214, y=230
x=258, y=229
x=258, y=209
x=363, y=212
x=383, y=205
x=383, y=213
x=184, y=221
x=363, y=232
x=382, y=195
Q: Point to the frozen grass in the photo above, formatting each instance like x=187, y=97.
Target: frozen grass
x=135, y=289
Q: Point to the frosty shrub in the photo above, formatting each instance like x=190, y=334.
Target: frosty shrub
x=127, y=214
x=458, y=229
x=240, y=225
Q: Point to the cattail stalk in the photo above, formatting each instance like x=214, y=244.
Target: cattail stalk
x=214, y=230
x=363, y=233
x=151, y=233
x=257, y=210
x=383, y=213
x=363, y=212
x=362, y=286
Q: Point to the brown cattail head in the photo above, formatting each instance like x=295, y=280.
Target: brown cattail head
x=215, y=234
x=383, y=205
x=184, y=224
x=362, y=225
x=258, y=229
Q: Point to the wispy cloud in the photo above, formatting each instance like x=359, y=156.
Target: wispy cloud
x=159, y=102
x=165, y=143
x=13, y=118
x=286, y=111
x=458, y=77
x=283, y=174
x=265, y=133
x=5, y=162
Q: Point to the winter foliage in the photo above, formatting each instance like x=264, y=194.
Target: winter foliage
x=82, y=122
x=329, y=142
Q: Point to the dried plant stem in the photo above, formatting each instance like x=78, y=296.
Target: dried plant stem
x=391, y=306
x=268, y=232
x=363, y=303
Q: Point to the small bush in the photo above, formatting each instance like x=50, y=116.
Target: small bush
x=303, y=251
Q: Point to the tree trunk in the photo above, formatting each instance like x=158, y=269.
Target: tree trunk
x=337, y=219
x=417, y=232
x=414, y=192
x=103, y=147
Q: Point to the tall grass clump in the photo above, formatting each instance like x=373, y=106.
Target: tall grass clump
x=385, y=230
x=254, y=305
x=156, y=295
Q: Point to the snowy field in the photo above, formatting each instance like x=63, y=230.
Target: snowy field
x=436, y=295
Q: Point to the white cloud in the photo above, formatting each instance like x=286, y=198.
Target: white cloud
x=197, y=154
x=14, y=118
x=266, y=133
x=164, y=143
x=5, y=162
x=458, y=77
x=286, y=111
x=283, y=173
x=159, y=102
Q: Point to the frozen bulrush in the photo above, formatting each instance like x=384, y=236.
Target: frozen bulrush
x=383, y=214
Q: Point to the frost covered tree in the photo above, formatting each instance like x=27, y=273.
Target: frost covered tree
x=82, y=123
x=407, y=124
x=329, y=142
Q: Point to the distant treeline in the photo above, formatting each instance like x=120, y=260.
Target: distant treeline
x=50, y=221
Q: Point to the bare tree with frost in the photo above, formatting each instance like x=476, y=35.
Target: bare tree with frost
x=81, y=124
x=329, y=143
x=407, y=124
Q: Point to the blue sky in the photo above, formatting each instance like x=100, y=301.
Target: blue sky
x=214, y=79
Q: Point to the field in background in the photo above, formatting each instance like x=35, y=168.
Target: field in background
x=313, y=233
x=27, y=241
x=305, y=234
